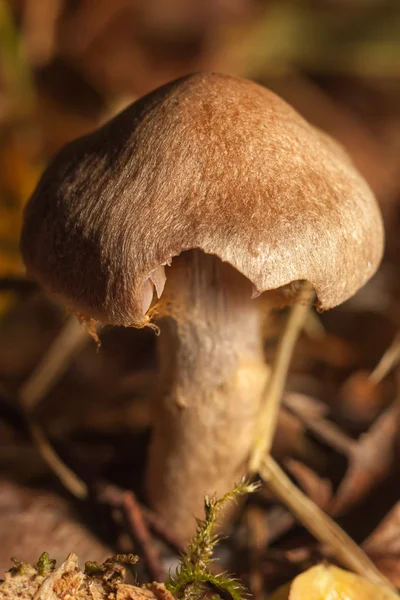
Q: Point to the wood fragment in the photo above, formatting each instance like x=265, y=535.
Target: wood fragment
x=69, y=581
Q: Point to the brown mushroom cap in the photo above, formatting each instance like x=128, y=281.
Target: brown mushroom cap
x=209, y=162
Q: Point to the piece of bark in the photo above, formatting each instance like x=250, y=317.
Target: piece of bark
x=70, y=582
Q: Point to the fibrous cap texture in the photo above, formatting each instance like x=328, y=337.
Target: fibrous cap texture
x=209, y=162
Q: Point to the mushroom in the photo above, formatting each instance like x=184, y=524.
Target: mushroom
x=210, y=190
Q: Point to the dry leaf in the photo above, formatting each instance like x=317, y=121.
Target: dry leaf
x=33, y=520
x=383, y=545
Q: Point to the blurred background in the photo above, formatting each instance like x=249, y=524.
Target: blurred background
x=66, y=66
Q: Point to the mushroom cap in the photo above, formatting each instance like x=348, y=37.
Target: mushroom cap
x=211, y=162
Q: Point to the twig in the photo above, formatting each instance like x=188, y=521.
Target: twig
x=22, y=417
x=54, y=363
x=72, y=338
x=388, y=361
x=126, y=502
x=327, y=431
x=112, y=494
x=140, y=533
x=318, y=523
x=306, y=511
x=313, y=326
x=68, y=478
x=275, y=385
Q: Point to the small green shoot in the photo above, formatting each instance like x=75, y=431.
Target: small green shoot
x=19, y=568
x=45, y=564
x=193, y=579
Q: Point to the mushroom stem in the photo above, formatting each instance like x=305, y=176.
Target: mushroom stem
x=212, y=376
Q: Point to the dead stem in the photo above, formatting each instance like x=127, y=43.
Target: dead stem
x=139, y=532
x=67, y=477
x=327, y=431
x=271, y=401
x=72, y=338
x=138, y=520
x=389, y=360
x=54, y=363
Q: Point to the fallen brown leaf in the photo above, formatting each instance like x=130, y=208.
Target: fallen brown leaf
x=383, y=545
x=370, y=461
x=34, y=520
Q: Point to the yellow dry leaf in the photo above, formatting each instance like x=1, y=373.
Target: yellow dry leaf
x=326, y=582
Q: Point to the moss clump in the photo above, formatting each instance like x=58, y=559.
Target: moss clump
x=45, y=564
x=193, y=579
x=95, y=568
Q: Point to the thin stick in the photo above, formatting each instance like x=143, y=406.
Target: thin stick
x=140, y=533
x=325, y=430
x=388, y=361
x=313, y=326
x=67, y=477
x=135, y=518
x=318, y=523
x=275, y=385
x=72, y=338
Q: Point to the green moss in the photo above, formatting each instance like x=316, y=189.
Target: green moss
x=19, y=568
x=95, y=568
x=193, y=578
x=45, y=564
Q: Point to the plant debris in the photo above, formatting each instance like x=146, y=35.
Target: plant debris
x=100, y=581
